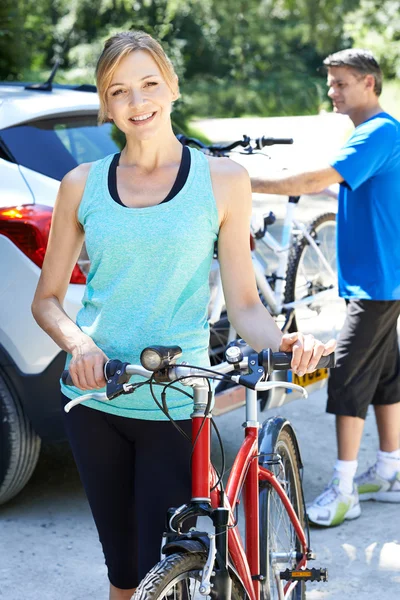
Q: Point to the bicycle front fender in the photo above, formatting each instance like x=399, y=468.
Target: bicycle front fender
x=268, y=437
x=185, y=545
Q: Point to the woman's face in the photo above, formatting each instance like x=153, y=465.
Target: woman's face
x=138, y=98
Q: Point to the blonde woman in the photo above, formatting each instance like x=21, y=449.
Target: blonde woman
x=150, y=216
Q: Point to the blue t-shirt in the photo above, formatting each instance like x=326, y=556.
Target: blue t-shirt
x=368, y=234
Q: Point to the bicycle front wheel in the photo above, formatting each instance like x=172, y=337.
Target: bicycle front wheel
x=178, y=577
x=278, y=540
x=312, y=277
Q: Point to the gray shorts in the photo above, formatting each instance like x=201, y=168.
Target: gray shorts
x=367, y=359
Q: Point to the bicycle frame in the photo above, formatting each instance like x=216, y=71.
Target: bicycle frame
x=227, y=557
x=247, y=472
x=274, y=298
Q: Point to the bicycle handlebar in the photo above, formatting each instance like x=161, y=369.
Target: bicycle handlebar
x=251, y=371
x=220, y=149
x=270, y=361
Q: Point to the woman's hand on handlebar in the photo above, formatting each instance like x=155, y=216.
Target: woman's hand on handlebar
x=87, y=366
x=306, y=351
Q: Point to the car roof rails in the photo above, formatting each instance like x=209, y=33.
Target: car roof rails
x=47, y=85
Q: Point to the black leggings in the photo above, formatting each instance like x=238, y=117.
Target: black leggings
x=132, y=471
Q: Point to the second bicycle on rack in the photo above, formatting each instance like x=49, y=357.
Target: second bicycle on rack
x=294, y=262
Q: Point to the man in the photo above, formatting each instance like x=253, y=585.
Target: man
x=368, y=254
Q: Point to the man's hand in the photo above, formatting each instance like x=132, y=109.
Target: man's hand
x=306, y=351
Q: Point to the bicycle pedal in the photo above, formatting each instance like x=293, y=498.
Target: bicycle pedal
x=304, y=575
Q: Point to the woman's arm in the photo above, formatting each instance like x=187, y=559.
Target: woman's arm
x=65, y=243
x=247, y=314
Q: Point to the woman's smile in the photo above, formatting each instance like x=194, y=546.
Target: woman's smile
x=142, y=119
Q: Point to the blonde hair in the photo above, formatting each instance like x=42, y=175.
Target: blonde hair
x=115, y=49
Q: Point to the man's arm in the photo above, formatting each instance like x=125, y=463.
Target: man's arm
x=310, y=182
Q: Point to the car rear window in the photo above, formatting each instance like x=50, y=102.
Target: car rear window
x=55, y=146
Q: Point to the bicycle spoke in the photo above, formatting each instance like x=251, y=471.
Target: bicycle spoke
x=309, y=276
x=282, y=547
x=284, y=521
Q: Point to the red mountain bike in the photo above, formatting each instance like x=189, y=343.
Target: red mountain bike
x=215, y=564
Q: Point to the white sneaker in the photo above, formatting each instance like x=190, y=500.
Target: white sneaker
x=332, y=507
x=372, y=486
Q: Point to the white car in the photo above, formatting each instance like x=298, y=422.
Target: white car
x=43, y=135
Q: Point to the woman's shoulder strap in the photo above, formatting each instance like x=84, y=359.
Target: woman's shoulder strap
x=95, y=181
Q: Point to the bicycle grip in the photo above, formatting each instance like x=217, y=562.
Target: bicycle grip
x=66, y=378
x=270, y=141
x=280, y=361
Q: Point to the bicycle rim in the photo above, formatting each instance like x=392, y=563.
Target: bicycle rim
x=178, y=577
x=308, y=277
x=278, y=540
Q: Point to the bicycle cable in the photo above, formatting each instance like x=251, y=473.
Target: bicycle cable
x=166, y=412
x=221, y=446
x=164, y=408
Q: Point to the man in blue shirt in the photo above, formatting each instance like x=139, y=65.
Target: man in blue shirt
x=368, y=258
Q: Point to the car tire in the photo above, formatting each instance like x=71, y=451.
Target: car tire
x=19, y=445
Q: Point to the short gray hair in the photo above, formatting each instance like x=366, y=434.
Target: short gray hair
x=362, y=61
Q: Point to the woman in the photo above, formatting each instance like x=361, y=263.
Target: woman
x=150, y=217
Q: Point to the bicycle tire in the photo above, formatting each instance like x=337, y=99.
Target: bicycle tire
x=170, y=574
x=306, y=275
x=19, y=444
x=273, y=516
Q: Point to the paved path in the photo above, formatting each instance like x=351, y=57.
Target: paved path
x=49, y=548
x=362, y=556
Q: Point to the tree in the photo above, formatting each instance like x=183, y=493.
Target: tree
x=376, y=25
x=11, y=29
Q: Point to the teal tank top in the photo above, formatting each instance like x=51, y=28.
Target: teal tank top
x=148, y=281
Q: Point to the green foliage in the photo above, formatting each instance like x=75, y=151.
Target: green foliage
x=278, y=94
x=233, y=57
x=11, y=27
x=376, y=25
x=317, y=22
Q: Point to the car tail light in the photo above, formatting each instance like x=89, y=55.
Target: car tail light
x=28, y=228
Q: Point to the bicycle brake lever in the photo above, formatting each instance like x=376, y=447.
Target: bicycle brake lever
x=257, y=373
x=116, y=378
